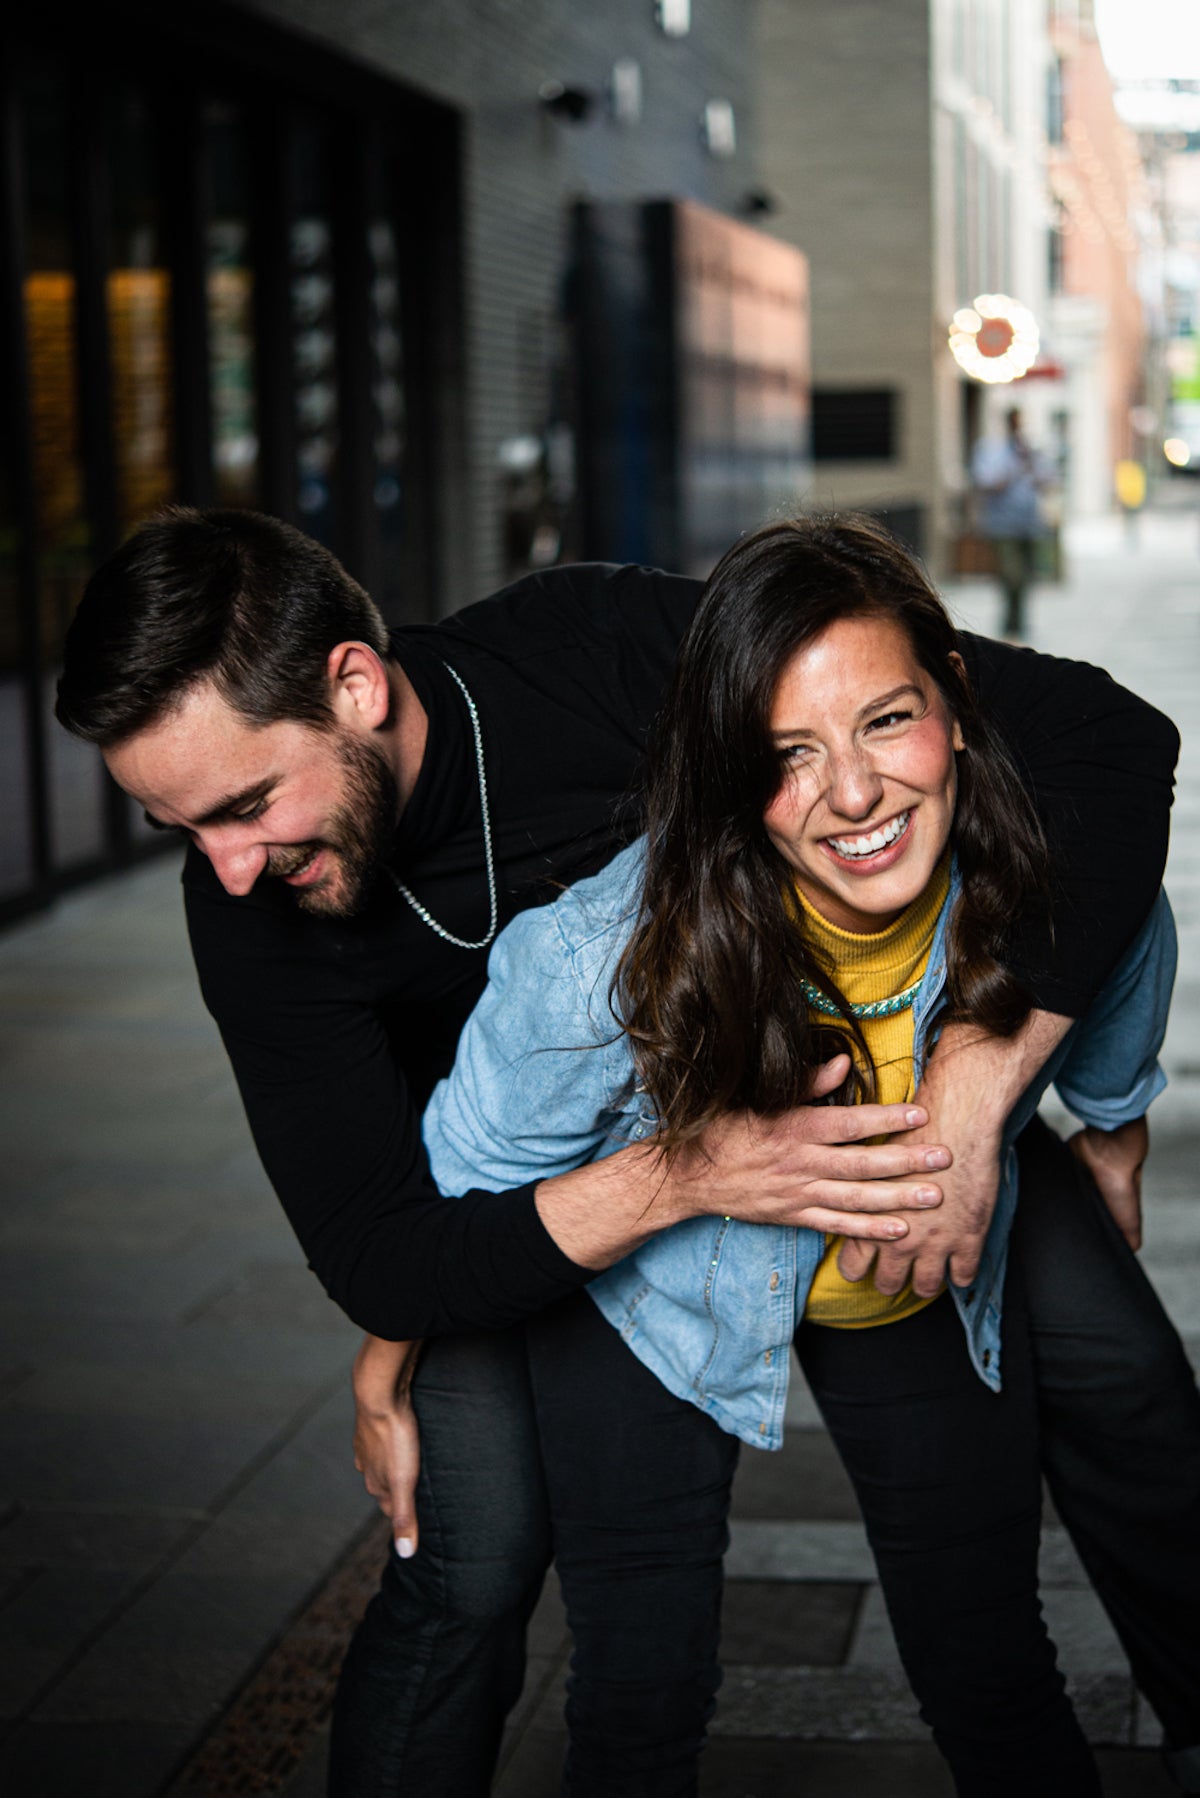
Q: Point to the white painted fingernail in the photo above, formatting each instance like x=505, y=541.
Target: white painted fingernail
x=404, y=1548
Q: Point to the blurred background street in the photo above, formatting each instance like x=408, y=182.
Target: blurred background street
x=464, y=292
x=183, y=1549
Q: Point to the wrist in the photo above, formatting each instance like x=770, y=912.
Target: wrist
x=383, y=1375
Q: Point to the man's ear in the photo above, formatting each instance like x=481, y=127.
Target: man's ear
x=359, y=690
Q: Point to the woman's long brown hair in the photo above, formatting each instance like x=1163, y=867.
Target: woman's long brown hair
x=710, y=986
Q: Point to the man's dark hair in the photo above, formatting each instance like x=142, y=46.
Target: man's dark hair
x=236, y=598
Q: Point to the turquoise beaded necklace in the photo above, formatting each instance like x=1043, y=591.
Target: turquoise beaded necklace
x=874, y=1008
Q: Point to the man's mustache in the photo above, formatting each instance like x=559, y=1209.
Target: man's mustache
x=290, y=861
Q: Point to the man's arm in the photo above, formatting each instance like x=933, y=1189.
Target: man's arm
x=339, y=1137
x=1098, y=763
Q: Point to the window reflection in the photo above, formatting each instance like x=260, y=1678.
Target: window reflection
x=229, y=294
x=314, y=342
x=387, y=410
x=62, y=539
x=16, y=814
x=139, y=315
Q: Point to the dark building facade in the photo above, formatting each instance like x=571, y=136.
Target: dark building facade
x=318, y=259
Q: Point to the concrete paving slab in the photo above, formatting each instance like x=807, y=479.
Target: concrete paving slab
x=799, y=1551
x=51, y=1620
x=94, y=1537
x=803, y=1479
x=103, y=1760
x=776, y=1623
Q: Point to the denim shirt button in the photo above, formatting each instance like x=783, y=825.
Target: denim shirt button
x=768, y=1357
x=987, y=1357
x=775, y=1282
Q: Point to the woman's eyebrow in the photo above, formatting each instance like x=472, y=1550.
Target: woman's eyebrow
x=906, y=687
x=872, y=705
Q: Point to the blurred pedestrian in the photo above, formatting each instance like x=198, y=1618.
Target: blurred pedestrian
x=1010, y=477
x=1129, y=481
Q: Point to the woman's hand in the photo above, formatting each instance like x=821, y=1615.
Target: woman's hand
x=971, y=1083
x=1114, y=1159
x=387, y=1443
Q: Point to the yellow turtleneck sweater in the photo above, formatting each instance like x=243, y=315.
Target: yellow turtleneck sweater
x=868, y=968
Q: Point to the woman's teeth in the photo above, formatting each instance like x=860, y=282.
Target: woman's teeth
x=854, y=847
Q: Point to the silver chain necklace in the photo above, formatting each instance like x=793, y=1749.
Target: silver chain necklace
x=489, y=860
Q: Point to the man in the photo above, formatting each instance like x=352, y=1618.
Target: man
x=364, y=813
x=1010, y=478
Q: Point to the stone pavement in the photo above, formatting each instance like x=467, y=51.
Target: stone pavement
x=175, y=1477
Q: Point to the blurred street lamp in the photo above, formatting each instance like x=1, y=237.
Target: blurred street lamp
x=1177, y=451
x=994, y=339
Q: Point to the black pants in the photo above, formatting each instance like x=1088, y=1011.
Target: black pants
x=948, y=1479
x=439, y=1657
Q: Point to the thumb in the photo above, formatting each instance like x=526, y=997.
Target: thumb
x=405, y=1533
x=829, y=1077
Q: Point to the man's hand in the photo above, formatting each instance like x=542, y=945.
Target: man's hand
x=387, y=1445
x=1114, y=1159
x=971, y=1083
x=814, y=1166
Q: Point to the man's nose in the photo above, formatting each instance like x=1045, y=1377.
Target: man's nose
x=237, y=865
x=855, y=785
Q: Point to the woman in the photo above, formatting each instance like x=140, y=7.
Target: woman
x=836, y=842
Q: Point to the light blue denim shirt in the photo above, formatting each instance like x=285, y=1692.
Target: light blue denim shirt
x=544, y=1081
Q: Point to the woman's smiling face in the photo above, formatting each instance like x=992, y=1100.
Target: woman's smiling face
x=866, y=750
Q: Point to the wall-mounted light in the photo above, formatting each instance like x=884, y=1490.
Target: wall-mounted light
x=718, y=128
x=674, y=17
x=571, y=105
x=625, y=91
x=994, y=339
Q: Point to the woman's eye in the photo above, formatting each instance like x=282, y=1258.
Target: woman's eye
x=795, y=752
x=887, y=719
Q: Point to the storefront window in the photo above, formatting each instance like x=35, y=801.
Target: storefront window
x=62, y=537
x=314, y=335
x=139, y=316
x=229, y=285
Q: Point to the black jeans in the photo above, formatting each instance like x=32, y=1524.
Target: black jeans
x=947, y=1475
x=439, y=1657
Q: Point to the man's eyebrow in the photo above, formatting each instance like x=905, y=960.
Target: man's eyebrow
x=236, y=802
x=232, y=802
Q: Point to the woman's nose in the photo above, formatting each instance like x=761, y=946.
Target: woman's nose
x=855, y=785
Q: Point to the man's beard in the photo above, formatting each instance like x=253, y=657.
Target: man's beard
x=361, y=828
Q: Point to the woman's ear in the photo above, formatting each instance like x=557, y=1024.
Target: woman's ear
x=960, y=669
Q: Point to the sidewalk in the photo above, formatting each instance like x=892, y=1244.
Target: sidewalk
x=176, y=1488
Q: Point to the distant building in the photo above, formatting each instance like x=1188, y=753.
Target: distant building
x=1095, y=316
x=318, y=259
x=924, y=152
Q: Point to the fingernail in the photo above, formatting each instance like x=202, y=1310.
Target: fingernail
x=897, y=1230
x=404, y=1548
x=937, y=1158
x=914, y=1117
x=928, y=1195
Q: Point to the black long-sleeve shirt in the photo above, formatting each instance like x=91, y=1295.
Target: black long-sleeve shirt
x=338, y=1028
